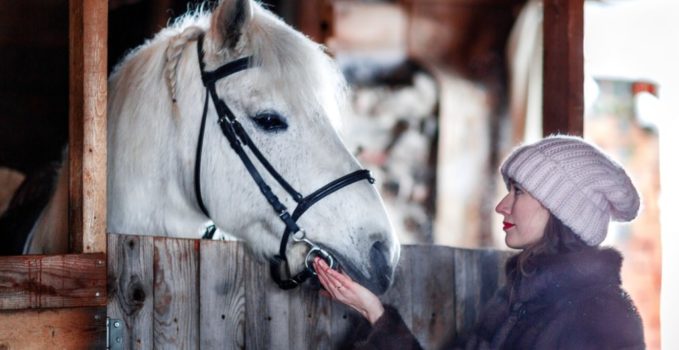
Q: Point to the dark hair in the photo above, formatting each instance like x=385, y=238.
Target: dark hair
x=557, y=239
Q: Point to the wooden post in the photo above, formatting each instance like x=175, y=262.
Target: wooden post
x=88, y=27
x=315, y=19
x=563, y=101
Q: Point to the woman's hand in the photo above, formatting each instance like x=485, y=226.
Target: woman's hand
x=341, y=287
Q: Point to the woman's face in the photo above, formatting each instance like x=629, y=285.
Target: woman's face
x=524, y=218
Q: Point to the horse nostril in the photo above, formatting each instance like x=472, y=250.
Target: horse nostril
x=380, y=266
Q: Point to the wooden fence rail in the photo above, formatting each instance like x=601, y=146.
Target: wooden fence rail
x=190, y=294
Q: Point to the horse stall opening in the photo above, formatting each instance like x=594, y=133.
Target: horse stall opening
x=57, y=301
x=187, y=294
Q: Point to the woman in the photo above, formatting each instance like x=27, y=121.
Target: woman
x=563, y=291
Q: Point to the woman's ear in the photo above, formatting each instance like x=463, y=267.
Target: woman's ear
x=229, y=21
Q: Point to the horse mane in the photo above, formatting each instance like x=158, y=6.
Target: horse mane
x=278, y=52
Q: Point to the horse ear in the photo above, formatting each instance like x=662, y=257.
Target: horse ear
x=229, y=20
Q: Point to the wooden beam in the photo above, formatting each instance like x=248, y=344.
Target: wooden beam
x=78, y=328
x=563, y=101
x=52, y=281
x=88, y=27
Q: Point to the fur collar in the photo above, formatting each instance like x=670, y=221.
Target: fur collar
x=563, y=273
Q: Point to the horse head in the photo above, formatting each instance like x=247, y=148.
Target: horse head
x=287, y=97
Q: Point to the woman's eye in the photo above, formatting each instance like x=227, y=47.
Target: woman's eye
x=270, y=121
x=516, y=190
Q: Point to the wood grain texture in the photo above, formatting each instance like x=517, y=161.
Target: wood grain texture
x=88, y=28
x=130, y=282
x=222, y=295
x=478, y=275
x=310, y=324
x=52, y=281
x=563, y=98
x=401, y=292
x=176, y=305
x=266, y=324
x=433, y=290
x=213, y=294
x=76, y=328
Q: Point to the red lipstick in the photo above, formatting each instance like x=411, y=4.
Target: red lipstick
x=507, y=225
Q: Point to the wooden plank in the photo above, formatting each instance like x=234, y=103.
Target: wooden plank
x=433, y=280
x=400, y=295
x=267, y=308
x=76, y=328
x=563, y=99
x=52, y=281
x=88, y=26
x=310, y=325
x=130, y=261
x=176, y=305
x=222, y=295
x=478, y=275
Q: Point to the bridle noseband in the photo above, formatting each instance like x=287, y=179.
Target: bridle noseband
x=238, y=137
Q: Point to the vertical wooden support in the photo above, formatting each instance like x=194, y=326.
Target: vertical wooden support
x=315, y=19
x=563, y=100
x=88, y=28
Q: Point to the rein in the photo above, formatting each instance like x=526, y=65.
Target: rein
x=238, y=138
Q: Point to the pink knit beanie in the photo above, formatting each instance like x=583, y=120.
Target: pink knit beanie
x=576, y=181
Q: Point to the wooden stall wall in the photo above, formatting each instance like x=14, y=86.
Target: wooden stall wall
x=59, y=301
x=189, y=294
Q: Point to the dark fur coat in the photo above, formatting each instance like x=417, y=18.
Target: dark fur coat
x=571, y=301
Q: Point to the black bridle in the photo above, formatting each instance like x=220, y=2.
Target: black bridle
x=238, y=137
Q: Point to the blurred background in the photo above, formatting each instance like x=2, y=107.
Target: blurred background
x=442, y=90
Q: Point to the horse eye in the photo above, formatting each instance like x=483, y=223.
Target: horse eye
x=270, y=121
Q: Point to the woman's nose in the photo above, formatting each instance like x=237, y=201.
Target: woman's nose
x=503, y=207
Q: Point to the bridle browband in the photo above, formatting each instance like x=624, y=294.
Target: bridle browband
x=238, y=137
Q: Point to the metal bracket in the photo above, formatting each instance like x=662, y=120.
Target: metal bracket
x=114, y=334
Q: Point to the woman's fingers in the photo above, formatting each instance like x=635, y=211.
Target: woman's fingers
x=331, y=274
x=322, y=274
x=330, y=282
x=341, y=287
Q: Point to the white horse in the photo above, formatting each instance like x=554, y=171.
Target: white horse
x=286, y=101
